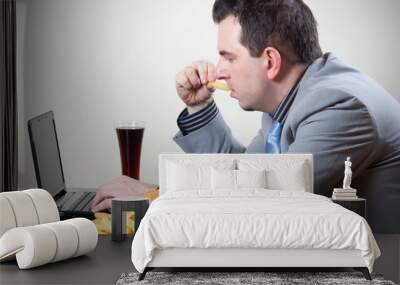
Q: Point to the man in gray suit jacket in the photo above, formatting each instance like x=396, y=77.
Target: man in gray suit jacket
x=311, y=103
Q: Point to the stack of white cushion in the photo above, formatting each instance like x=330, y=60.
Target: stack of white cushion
x=31, y=230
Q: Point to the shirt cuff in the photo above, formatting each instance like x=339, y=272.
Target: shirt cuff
x=188, y=123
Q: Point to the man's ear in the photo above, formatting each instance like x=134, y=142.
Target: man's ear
x=272, y=62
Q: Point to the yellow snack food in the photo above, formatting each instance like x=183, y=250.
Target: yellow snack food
x=219, y=85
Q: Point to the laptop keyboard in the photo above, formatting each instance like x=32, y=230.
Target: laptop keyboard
x=76, y=201
x=84, y=204
x=61, y=201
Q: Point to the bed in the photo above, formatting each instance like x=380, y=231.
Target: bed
x=246, y=211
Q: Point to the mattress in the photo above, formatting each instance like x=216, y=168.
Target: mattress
x=250, y=219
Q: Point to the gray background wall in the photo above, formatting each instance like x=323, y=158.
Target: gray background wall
x=96, y=61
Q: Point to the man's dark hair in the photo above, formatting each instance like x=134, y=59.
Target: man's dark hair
x=287, y=25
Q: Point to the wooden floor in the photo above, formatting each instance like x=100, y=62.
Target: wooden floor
x=389, y=262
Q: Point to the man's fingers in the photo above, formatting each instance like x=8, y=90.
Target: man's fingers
x=98, y=198
x=182, y=81
x=203, y=94
x=103, y=205
x=202, y=69
x=191, y=82
x=193, y=77
x=211, y=72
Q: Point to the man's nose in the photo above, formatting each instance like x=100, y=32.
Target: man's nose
x=221, y=72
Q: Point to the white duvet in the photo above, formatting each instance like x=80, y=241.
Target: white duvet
x=250, y=219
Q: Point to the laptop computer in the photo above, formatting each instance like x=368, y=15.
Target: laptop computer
x=49, y=170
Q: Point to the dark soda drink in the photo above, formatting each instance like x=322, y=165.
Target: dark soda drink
x=130, y=146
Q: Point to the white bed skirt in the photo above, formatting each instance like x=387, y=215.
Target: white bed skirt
x=193, y=257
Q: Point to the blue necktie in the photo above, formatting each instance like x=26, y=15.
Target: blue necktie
x=273, y=144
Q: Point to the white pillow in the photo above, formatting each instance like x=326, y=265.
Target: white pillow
x=286, y=174
x=223, y=179
x=280, y=180
x=251, y=178
x=186, y=175
x=237, y=179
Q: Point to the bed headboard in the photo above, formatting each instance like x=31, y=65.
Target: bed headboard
x=272, y=160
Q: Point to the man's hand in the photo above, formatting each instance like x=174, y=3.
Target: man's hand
x=191, y=83
x=122, y=186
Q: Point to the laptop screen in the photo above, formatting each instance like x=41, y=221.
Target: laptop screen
x=46, y=153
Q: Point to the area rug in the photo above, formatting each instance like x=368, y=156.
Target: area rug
x=230, y=278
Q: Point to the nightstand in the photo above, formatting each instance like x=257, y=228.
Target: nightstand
x=357, y=205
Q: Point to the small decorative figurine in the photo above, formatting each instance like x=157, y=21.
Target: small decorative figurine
x=347, y=174
x=347, y=192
